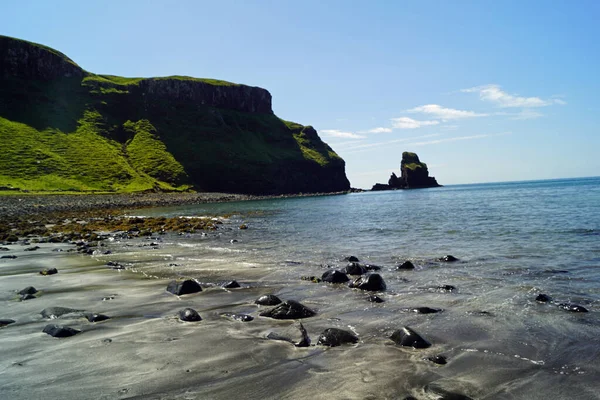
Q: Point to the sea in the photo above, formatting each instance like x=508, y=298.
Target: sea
x=513, y=241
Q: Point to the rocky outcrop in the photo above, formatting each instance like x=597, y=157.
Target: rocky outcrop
x=413, y=175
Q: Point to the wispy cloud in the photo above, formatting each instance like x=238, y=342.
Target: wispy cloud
x=494, y=94
x=409, y=123
x=443, y=113
x=379, y=144
x=527, y=113
x=456, y=139
x=340, y=134
x=378, y=130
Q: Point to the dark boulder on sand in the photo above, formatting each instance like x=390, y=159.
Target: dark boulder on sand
x=230, y=285
x=409, y=338
x=4, y=322
x=60, y=331
x=268, y=300
x=406, y=265
x=288, y=310
x=28, y=290
x=56, y=312
x=355, y=269
x=49, y=271
x=189, y=315
x=371, y=282
x=185, y=287
x=335, y=337
x=334, y=276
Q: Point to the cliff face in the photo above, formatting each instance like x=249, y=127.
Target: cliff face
x=413, y=175
x=127, y=134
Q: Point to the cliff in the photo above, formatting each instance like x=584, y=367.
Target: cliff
x=63, y=128
x=413, y=175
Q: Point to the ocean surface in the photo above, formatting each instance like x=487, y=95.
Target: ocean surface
x=514, y=241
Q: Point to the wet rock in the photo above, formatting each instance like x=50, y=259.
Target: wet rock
x=355, y=269
x=409, y=338
x=268, y=300
x=334, y=276
x=572, y=307
x=304, y=340
x=27, y=297
x=4, y=322
x=239, y=317
x=60, y=331
x=336, y=337
x=243, y=226
x=288, y=310
x=425, y=310
x=34, y=248
x=57, y=312
x=406, y=265
x=92, y=317
x=375, y=299
x=543, y=298
x=443, y=394
x=184, y=287
x=351, y=259
x=445, y=288
x=370, y=267
x=312, y=279
x=371, y=282
x=4, y=249
x=189, y=315
x=28, y=290
x=49, y=271
x=9, y=257
x=438, y=359
x=230, y=285
x=448, y=258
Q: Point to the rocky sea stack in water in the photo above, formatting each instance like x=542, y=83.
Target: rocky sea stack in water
x=413, y=175
x=170, y=133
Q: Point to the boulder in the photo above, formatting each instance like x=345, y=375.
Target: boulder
x=4, y=322
x=9, y=256
x=288, y=310
x=189, y=315
x=185, y=287
x=56, y=312
x=93, y=317
x=60, y=331
x=371, y=282
x=406, y=265
x=28, y=290
x=409, y=338
x=268, y=300
x=334, y=276
x=448, y=258
x=351, y=259
x=49, y=271
x=543, y=298
x=335, y=337
x=355, y=269
x=230, y=285
x=572, y=307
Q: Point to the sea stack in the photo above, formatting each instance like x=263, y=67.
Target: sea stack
x=413, y=175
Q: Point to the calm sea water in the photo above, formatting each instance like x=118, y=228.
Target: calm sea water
x=514, y=241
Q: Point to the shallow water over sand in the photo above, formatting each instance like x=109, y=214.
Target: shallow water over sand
x=514, y=241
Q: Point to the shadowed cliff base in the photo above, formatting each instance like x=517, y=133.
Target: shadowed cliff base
x=66, y=129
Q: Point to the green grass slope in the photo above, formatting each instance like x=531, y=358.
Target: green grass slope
x=65, y=129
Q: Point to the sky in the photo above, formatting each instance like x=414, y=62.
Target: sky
x=482, y=91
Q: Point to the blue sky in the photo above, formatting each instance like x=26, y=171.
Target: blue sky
x=483, y=91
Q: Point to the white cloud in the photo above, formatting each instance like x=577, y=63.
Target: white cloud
x=527, y=113
x=378, y=130
x=409, y=123
x=340, y=134
x=444, y=113
x=494, y=94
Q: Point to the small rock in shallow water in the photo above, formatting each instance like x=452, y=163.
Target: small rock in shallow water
x=439, y=359
x=351, y=259
x=60, y=331
x=34, y=248
x=355, y=269
x=4, y=249
x=185, y=287
x=445, y=288
x=27, y=297
x=375, y=299
x=288, y=310
x=448, y=258
x=4, y=322
x=303, y=342
x=96, y=317
x=406, y=265
x=425, y=310
x=370, y=267
x=572, y=307
x=28, y=290
x=189, y=315
x=230, y=285
x=335, y=337
x=409, y=338
x=543, y=298
x=371, y=282
x=11, y=257
x=268, y=300
x=49, y=271
x=334, y=276
x=443, y=394
x=56, y=312
x=239, y=317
